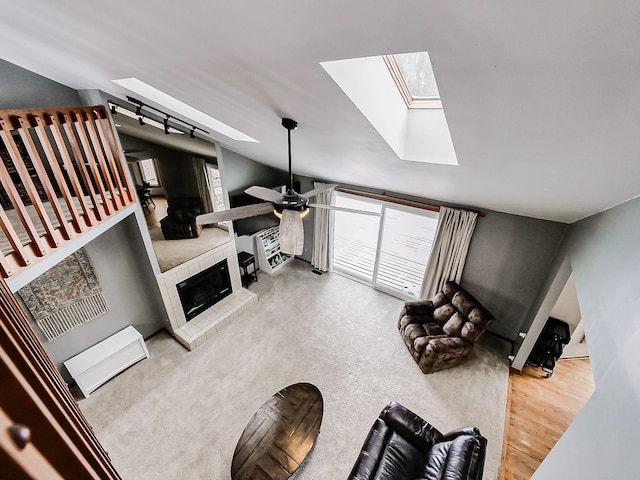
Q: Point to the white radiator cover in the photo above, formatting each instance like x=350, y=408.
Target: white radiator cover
x=97, y=364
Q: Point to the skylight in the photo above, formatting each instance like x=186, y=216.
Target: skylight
x=414, y=134
x=414, y=77
x=187, y=111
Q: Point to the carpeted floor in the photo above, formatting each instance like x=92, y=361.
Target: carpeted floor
x=171, y=253
x=179, y=414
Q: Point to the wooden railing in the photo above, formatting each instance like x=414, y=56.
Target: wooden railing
x=61, y=173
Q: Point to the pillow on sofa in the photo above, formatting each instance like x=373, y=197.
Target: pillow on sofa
x=454, y=325
x=464, y=302
x=442, y=314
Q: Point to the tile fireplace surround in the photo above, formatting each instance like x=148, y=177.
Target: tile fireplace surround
x=194, y=333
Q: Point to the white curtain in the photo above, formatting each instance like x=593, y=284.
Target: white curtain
x=449, y=250
x=202, y=180
x=322, y=231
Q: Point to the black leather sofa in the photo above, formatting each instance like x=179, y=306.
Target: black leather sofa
x=401, y=445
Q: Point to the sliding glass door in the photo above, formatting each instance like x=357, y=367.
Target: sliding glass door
x=388, y=252
x=355, y=240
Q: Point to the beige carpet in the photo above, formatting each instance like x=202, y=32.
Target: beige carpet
x=179, y=414
x=171, y=253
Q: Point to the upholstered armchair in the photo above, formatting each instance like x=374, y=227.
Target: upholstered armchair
x=440, y=333
x=180, y=221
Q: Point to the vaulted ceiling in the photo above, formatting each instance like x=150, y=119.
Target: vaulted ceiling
x=541, y=98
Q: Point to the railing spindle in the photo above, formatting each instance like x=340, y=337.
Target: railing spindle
x=51, y=159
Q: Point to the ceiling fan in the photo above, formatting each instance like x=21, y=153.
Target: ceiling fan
x=291, y=207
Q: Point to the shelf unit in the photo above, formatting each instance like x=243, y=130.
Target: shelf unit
x=270, y=257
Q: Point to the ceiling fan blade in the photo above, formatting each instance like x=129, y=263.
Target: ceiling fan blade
x=318, y=190
x=291, y=233
x=235, y=213
x=263, y=193
x=344, y=209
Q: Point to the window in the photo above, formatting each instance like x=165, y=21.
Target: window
x=355, y=238
x=215, y=186
x=388, y=252
x=148, y=172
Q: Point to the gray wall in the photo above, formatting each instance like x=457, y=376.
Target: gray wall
x=177, y=174
x=118, y=256
x=20, y=88
x=602, y=441
x=132, y=296
x=240, y=172
x=507, y=264
x=175, y=168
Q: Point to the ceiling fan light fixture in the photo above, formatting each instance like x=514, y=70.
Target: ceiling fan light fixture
x=303, y=213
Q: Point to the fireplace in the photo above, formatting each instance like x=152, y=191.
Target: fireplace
x=204, y=289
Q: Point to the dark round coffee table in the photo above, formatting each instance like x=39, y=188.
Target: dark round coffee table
x=280, y=435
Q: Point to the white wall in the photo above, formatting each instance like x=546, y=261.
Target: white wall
x=602, y=441
x=566, y=307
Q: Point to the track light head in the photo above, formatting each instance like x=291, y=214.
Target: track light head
x=141, y=120
x=113, y=110
x=166, y=126
x=139, y=110
x=192, y=134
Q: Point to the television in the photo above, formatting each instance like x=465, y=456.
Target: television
x=251, y=225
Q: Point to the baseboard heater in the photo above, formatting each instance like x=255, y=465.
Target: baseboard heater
x=106, y=359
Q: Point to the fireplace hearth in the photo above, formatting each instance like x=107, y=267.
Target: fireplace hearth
x=205, y=322
x=204, y=289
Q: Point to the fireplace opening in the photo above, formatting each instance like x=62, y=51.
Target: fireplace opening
x=204, y=289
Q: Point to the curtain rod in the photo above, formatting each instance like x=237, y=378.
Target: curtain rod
x=399, y=201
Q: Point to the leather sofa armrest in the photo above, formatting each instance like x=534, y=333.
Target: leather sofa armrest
x=467, y=451
x=445, y=343
x=465, y=431
x=407, y=424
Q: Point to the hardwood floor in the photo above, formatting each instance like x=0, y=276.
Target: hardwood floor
x=539, y=410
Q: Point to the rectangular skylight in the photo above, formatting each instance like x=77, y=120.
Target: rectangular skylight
x=151, y=93
x=414, y=77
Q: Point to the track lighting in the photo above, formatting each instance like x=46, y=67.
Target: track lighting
x=141, y=117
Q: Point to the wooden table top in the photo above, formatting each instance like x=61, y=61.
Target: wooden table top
x=280, y=435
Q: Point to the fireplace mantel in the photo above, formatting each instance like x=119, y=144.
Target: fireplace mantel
x=210, y=322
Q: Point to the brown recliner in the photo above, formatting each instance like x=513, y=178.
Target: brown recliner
x=180, y=222
x=440, y=333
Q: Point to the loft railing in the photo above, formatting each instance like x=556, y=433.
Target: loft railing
x=61, y=174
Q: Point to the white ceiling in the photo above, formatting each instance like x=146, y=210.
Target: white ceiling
x=542, y=98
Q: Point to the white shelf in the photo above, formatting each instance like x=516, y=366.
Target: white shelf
x=97, y=364
x=270, y=258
